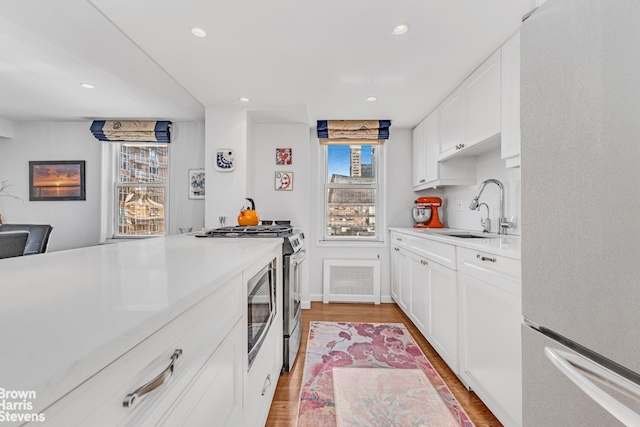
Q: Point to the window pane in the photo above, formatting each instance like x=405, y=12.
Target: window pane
x=351, y=212
x=351, y=164
x=140, y=211
x=144, y=163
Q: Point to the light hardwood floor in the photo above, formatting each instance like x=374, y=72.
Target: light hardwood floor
x=285, y=402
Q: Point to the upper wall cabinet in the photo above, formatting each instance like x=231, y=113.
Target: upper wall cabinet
x=510, y=145
x=471, y=114
x=428, y=171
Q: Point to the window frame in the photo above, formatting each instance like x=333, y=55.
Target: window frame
x=380, y=208
x=110, y=215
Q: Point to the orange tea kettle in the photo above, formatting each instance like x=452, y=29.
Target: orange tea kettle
x=248, y=216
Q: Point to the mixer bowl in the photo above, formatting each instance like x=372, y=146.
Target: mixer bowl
x=421, y=215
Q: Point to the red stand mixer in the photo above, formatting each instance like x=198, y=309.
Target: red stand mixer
x=425, y=212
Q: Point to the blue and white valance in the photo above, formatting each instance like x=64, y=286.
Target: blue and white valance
x=132, y=130
x=353, y=131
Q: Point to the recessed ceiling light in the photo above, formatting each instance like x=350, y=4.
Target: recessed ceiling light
x=243, y=99
x=86, y=85
x=198, y=32
x=372, y=98
x=401, y=29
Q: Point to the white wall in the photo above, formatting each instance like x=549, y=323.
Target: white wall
x=488, y=166
x=225, y=127
x=77, y=223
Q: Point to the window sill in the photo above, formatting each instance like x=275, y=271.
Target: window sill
x=351, y=244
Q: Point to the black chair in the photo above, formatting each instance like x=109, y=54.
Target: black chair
x=13, y=243
x=39, y=235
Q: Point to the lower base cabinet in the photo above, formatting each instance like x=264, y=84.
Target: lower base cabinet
x=215, y=396
x=491, y=361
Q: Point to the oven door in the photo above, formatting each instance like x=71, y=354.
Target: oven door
x=293, y=291
x=261, y=308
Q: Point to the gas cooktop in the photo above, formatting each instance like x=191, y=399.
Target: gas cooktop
x=250, y=231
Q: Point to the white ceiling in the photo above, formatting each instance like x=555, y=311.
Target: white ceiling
x=297, y=60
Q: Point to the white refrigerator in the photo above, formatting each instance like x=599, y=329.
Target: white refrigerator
x=580, y=127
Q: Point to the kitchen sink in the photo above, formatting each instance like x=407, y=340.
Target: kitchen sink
x=469, y=235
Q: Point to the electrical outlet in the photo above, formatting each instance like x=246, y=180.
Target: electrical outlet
x=459, y=205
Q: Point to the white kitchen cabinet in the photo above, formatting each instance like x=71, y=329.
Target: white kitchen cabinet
x=442, y=302
x=470, y=118
x=419, y=156
x=491, y=315
x=482, y=102
x=451, y=123
x=457, y=171
x=201, y=334
x=428, y=291
x=216, y=392
x=420, y=277
x=510, y=137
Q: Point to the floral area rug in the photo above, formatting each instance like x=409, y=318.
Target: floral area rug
x=360, y=346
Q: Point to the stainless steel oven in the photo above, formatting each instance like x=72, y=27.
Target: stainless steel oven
x=292, y=308
x=261, y=308
x=293, y=255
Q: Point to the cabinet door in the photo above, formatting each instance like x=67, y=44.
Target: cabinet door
x=451, y=122
x=432, y=147
x=443, y=313
x=404, y=280
x=482, y=101
x=510, y=138
x=216, y=392
x=395, y=273
x=420, y=283
x=491, y=354
x=419, y=177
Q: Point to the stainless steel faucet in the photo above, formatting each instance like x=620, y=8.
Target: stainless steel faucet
x=503, y=224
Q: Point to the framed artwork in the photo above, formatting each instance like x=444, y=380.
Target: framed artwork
x=196, y=183
x=284, y=156
x=283, y=181
x=57, y=180
x=224, y=160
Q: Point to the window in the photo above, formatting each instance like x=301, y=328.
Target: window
x=352, y=192
x=141, y=190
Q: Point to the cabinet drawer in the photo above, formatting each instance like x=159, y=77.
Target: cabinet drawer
x=398, y=239
x=262, y=378
x=439, y=252
x=197, y=332
x=499, y=271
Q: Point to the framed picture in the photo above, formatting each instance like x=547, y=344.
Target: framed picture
x=284, y=156
x=56, y=180
x=284, y=181
x=196, y=183
x=225, y=160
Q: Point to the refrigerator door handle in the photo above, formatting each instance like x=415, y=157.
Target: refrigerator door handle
x=581, y=371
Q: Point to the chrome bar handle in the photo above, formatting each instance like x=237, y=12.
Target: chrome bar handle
x=484, y=258
x=582, y=372
x=132, y=398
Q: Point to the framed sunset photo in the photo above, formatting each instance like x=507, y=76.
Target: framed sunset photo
x=57, y=180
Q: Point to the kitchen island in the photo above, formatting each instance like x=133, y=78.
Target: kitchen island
x=66, y=316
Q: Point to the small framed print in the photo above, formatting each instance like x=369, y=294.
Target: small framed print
x=284, y=156
x=57, y=180
x=284, y=181
x=224, y=160
x=196, y=183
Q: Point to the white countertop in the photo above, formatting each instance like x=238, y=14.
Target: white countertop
x=66, y=315
x=504, y=245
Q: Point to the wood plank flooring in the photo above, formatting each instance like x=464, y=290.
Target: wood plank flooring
x=284, y=407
